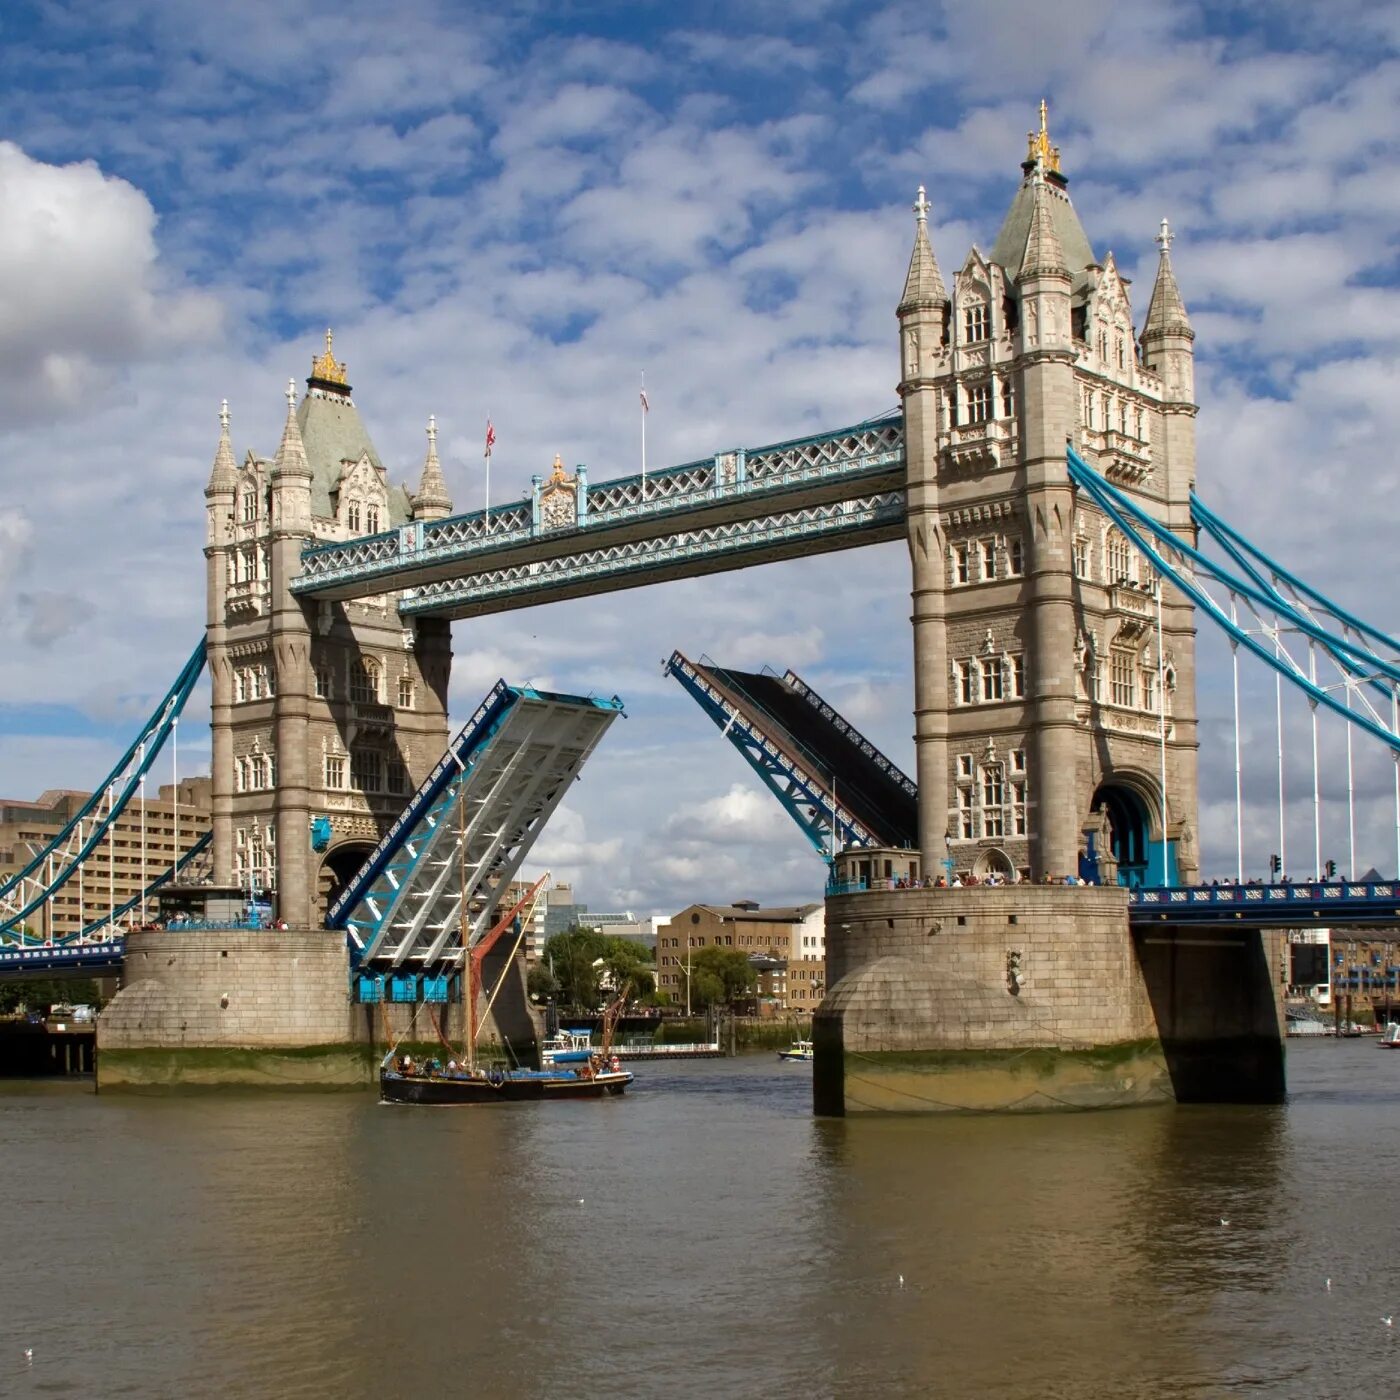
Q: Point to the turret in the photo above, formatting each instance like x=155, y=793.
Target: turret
x=223, y=482
x=431, y=502
x=923, y=320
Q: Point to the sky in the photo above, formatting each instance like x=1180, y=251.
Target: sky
x=517, y=211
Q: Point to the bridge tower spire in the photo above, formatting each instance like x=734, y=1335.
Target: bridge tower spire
x=923, y=314
x=432, y=501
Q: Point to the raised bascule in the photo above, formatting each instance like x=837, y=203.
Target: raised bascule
x=1041, y=469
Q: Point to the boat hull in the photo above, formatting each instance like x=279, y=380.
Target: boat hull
x=528, y=1087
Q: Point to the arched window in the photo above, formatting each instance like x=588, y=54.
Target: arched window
x=364, y=681
x=249, y=500
x=371, y=520
x=1120, y=558
x=977, y=321
x=352, y=517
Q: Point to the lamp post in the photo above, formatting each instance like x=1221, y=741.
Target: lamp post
x=948, y=858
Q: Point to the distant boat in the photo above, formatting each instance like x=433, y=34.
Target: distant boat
x=567, y=1047
x=1391, y=1039
x=798, y=1050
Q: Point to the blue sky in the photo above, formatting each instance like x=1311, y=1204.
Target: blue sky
x=516, y=214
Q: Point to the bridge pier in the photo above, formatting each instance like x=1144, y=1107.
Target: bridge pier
x=1035, y=997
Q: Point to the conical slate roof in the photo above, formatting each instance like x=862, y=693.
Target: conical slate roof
x=224, y=475
x=923, y=285
x=1077, y=254
x=1043, y=254
x=291, y=451
x=432, y=487
x=1166, y=312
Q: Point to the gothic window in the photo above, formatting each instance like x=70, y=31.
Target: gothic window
x=1089, y=408
x=977, y=323
x=1008, y=398
x=1123, y=418
x=325, y=683
x=1103, y=345
x=993, y=800
x=240, y=775
x=1018, y=807
x=398, y=775
x=335, y=771
x=991, y=678
x=352, y=517
x=405, y=692
x=1015, y=558
x=962, y=565
x=240, y=685
x=364, y=681
x=249, y=501
x=964, y=765
x=967, y=683
x=1149, y=689
x=1120, y=678
x=366, y=770
x=1018, y=760
x=1122, y=358
x=371, y=520
x=987, y=550
x=1018, y=676
x=1094, y=683
x=1120, y=558
x=967, y=814
x=1081, y=557
x=979, y=403
x=1140, y=436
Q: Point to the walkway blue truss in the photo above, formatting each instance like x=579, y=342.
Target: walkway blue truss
x=831, y=491
x=23, y=894
x=466, y=831
x=1328, y=904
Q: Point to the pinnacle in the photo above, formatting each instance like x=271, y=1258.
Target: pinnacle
x=291, y=451
x=224, y=476
x=432, y=487
x=1166, y=312
x=1043, y=255
x=923, y=286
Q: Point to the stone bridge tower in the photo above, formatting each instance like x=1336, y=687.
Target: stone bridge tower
x=1049, y=707
x=325, y=716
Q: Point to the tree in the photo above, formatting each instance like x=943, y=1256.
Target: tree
x=720, y=976
x=542, y=983
x=585, y=962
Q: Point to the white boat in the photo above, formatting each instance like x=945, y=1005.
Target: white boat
x=567, y=1047
x=1390, y=1039
x=798, y=1050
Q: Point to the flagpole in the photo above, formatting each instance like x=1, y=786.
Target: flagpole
x=644, y=436
x=490, y=441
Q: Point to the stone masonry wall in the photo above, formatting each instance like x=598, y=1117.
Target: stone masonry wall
x=249, y=988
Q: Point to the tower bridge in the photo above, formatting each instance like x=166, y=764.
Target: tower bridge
x=1041, y=467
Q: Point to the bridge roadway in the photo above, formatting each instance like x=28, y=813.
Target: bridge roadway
x=836, y=490
x=1327, y=904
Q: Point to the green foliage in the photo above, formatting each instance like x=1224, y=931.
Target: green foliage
x=40, y=994
x=720, y=977
x=542, y=983
x=583, y=961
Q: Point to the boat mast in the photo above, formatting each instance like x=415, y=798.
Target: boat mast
x=468, y=967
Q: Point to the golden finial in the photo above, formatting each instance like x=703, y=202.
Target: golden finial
x=558, y=473
x=326, y=367
x=1038, y=145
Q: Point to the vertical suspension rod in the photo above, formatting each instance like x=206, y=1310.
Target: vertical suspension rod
x=1239, y=765
x=1317, y=783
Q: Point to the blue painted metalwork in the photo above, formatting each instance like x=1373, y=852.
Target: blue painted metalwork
x=1192, y=569
x=26, y=891
x=1270, y=906
x=90, y=958
x=321, y=832
x=748, y=481
x=805, y=794
x=471, y=736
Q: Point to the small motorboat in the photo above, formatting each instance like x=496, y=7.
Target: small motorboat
x=567, y=1047
x=798, y=1050
x=1390, y=1037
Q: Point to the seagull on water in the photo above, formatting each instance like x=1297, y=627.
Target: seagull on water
x=901, y=1280
x=1389, y=1321
x=29, y=1353
x=1329, y=1285
x=1224, y=1219
x=580, y=1200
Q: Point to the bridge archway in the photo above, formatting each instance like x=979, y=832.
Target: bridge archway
x=994, y=861
x=339, y=866
x=1128, y=815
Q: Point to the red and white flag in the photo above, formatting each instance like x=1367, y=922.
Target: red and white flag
x=490, y=437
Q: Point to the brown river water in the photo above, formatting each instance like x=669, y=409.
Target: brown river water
x=704, y=1236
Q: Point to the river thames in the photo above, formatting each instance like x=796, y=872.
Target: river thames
x=704, y=1236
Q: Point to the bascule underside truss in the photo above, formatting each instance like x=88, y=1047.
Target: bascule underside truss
x=830, y=779
x=469, y=828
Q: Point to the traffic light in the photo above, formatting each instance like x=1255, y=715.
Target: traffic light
x=1331, y=868
x=1275, y=865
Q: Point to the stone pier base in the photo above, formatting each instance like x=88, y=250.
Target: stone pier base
x=272, y=1007
x=1032, y=997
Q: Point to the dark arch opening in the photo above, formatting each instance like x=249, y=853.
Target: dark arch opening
x=339, y=867
x=1129, y=830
